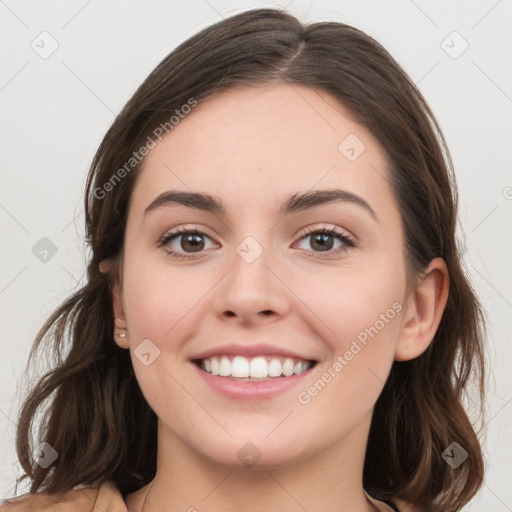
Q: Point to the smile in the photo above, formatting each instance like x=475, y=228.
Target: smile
x=254, y=369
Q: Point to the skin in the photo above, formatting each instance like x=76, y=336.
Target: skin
x=252, y=148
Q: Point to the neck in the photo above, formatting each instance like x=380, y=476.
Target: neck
x=328, y=481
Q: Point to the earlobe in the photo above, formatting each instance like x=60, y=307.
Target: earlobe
x=106, y=266
x=423, y=312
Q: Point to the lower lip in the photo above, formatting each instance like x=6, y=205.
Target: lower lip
x=239, y=389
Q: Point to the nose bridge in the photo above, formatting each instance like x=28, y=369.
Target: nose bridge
x=251, y=287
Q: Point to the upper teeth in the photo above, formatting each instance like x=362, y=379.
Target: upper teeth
x=256, y=367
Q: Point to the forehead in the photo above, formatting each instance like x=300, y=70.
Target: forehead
x=259, y=143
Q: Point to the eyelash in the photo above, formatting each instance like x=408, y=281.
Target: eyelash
x=342, y=237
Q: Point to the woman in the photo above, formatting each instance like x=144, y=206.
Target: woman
x=275, y=316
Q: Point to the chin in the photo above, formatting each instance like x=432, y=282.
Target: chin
x=256, y=455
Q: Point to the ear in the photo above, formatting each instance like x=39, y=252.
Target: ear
x=423, y=312
x=113, y=269
x=119, y=316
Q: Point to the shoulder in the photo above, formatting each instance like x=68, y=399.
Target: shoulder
x=75, y=500
x=43, y=502
x=405, y=506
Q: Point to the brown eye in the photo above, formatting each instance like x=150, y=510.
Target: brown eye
x=182, y=242
x=191, y=242
x=324, y=241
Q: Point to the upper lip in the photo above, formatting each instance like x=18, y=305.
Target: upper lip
x=259, y=349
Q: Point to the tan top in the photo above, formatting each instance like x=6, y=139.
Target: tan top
x=403, y=506
x=46, y=501
x=380, y=505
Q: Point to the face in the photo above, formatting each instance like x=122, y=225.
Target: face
x=323, y=281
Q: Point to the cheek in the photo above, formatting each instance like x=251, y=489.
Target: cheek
x=361, y=313
x=159, y=299
x=351, y=303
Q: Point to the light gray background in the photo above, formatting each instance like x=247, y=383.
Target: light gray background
x=55, y=111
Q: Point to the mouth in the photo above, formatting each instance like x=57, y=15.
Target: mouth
x=252, y=371
x=260, y=368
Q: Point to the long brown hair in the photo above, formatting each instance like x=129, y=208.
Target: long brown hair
x=96, y=417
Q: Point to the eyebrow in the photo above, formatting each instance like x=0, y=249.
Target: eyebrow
x=295, y=203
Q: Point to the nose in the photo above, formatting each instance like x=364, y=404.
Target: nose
x=253, y=291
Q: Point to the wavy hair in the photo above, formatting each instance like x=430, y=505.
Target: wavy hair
x=96, y=417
